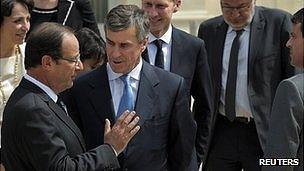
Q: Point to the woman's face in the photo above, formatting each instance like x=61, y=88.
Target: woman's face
x=15, y=27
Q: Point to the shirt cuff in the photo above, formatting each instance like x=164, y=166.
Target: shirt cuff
x=112, y=149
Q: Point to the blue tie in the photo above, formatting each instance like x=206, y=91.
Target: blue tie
x=126, y=101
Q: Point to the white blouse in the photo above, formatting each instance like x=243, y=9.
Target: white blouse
x=10, y=68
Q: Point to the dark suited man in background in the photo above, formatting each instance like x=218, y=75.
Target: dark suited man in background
x=37, y=133
x=285, y=135
x=167, y=136
x=248, y=59
x=185, y=55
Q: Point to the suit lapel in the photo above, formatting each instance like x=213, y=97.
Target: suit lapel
x=63, y=8
x=100, y=95
x=257, y=27
x=56, y=109
x=146, y=96
x=67, y=120
x=177, y=52
x=217, y=49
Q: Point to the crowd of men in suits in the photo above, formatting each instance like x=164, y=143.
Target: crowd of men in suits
x=133, y=112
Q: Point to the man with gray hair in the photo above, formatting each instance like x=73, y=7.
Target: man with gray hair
x=248, y=58
x=126, y=82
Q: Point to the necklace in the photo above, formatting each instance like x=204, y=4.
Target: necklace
x=16, y=76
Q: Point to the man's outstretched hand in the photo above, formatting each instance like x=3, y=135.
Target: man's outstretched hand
x=122, y=131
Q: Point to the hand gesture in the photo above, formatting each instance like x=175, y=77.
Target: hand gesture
x=122, y=131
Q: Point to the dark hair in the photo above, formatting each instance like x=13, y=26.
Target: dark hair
x=298, y=18
x=46, y=39
x=91, y=46
x=123, y=17
x=8, y=5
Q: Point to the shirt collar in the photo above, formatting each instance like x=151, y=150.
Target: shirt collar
x=246, y=29
x=165, y=38
x=44, y=87
x=135, y=73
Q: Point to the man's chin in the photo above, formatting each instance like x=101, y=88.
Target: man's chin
x=237, y=26
x=69, y=86
x=156, y=31
x=20, y=41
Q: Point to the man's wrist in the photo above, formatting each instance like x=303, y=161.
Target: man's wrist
x=115, y=152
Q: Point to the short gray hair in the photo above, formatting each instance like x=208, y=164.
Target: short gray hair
x=123, y=17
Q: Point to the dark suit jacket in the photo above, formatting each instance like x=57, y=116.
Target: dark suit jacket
x=285, y=135
x=166, y=138
x=75, y=14
x=189, y=60
x=38, y=135
x=268, y=60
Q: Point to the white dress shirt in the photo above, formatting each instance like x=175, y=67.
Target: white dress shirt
x=44, y=87
x=242, y=106
x=117, y=85
x=166, y=47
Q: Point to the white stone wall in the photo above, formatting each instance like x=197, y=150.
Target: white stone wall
x=193, y=12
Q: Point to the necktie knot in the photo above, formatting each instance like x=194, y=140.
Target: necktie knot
x=59, y=101
x=61, y=104
x=239, y=32
x=125, y=79
x=158, y=43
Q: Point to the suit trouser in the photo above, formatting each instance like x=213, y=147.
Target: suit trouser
x=234, y=146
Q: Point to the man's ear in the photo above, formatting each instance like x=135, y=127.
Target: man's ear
x=47, y=62
x=177, y=5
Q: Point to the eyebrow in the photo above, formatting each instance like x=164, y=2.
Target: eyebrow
x=109, y=40
x=20, y=16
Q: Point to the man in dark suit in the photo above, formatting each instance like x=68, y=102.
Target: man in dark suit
x=37, y=133
x=248, y=59
x=186, y=56
x=285, y=135
x=167, y=136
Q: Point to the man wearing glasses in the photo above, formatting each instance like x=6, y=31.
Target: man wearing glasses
x=37, y=132
x=248, y=59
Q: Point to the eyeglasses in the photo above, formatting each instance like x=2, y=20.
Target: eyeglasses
x=230, y=9
x=75, y=60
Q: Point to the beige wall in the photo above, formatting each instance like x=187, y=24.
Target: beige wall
x=212, y=6
x=194, y=12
